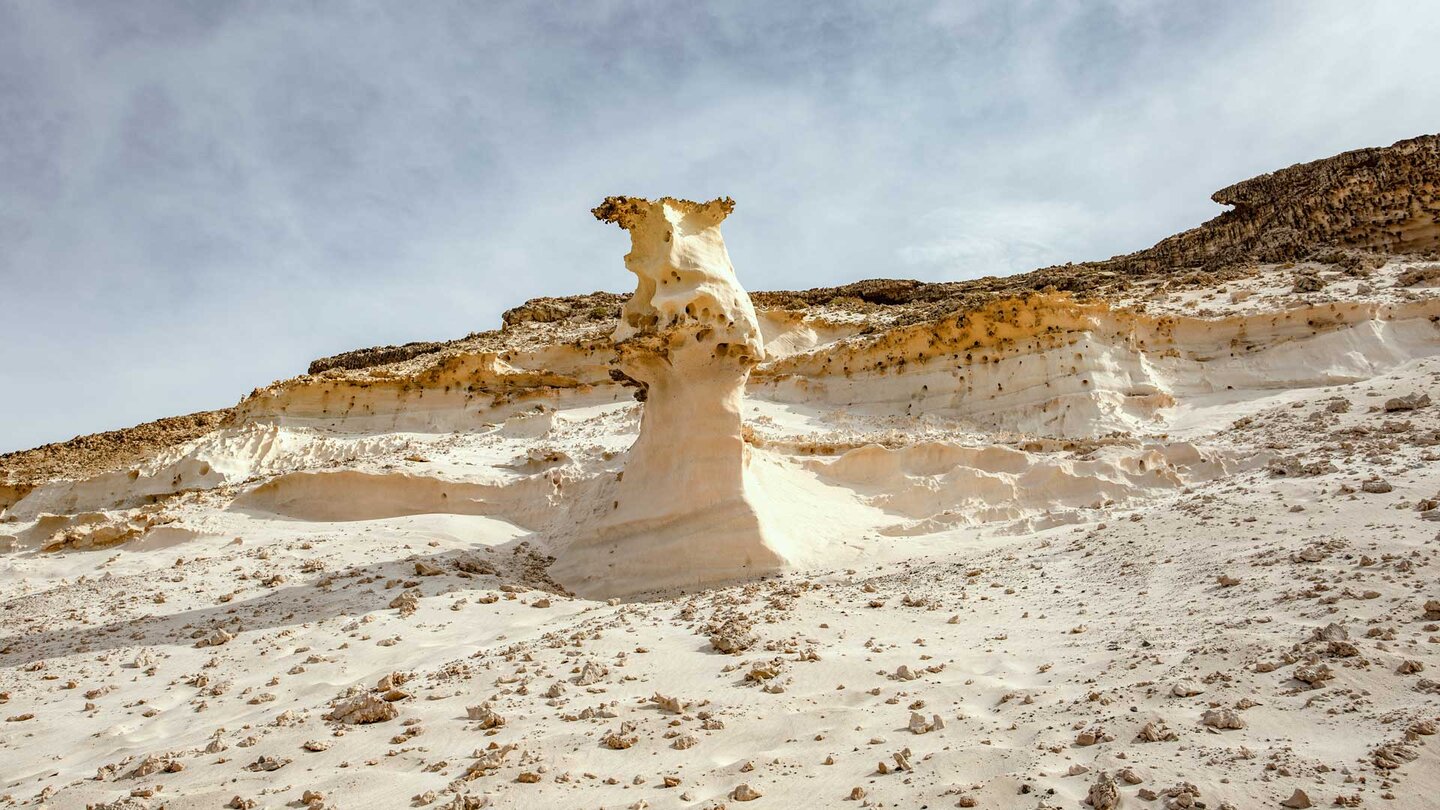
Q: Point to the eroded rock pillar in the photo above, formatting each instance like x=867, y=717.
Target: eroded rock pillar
x=680, y=514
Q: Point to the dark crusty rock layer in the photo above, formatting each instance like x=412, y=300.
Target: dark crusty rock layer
x=102, y=452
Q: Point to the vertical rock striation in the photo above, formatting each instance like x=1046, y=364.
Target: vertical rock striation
x=688, y=338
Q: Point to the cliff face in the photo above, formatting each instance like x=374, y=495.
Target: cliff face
x=1382, y=199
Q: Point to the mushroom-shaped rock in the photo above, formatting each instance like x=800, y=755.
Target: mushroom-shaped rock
x=680, y=514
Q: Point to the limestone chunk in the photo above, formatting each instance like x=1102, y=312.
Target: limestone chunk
x=592, y=673
x=1104, y=794
x=1297, y=801
x=1156, y=732
x=1093, y=735
x=268, y=763
x=363, y=710
x=1408, y=402
x=621, y=739
x=216, y=638
x=1222, y=718
x=1314, y=675
x=407, y=602
x=733, y=636
x=485, y=716
x=1185, y=689
x=744, y=793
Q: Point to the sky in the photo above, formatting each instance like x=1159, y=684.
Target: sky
x=197, y=198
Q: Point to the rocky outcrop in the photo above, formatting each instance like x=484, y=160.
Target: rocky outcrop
x=688, y=339
x=100, y=452
x=376, y=356
x=102, y=529
x=1383, y=199
x=597, y=306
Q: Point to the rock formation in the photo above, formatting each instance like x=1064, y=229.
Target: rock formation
x=687, y=339
x=1382, y=199
x=1101, y=485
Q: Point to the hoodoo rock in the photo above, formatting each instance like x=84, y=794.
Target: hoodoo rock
x=687, y=339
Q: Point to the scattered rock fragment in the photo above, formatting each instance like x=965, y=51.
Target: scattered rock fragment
x=407, y=602
x=1093, y=735
x=1154, y=731
x=1185, y=689
x=1408, y=402
x=1297, y=801
x=485, y=716
x=1104, y=794
x=624, y=738
x=733, y=636
x=591, y=673
x=1222, y=718
x=744, y=793
x=363, y=710
x=1391, y=756
x=1314, y=675
x=215, y=638
x=919, y=725
x=268, y=763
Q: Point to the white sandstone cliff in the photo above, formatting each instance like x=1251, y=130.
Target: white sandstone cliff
x=688, y=337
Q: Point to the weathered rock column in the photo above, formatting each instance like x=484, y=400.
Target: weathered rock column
x=680, y=515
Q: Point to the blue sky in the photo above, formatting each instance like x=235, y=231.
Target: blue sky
x=197, y=198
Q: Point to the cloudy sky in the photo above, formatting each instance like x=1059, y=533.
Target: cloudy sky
x=197, y=198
